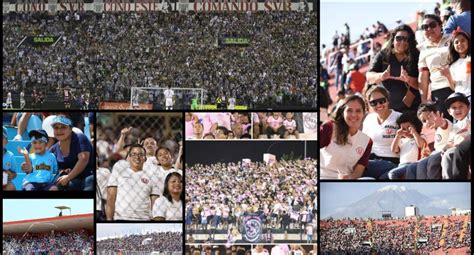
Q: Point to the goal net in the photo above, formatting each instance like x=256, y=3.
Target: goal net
x=154, y=98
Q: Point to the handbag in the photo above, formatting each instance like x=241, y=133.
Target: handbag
x=409, y=97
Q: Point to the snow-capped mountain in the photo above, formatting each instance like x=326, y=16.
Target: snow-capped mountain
x=394, y=199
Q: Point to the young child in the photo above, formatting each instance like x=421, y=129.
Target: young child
x=407, y=143
x=275, y=125
x=41, y=166
x=9, y=164
x=431, y=119
x=290, y=126
x=458, y=106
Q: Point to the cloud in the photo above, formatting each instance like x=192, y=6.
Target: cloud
x=440, y=203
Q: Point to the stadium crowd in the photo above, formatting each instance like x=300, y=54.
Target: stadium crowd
x=283, y=194
x=97, y=52
x=217, y=125
x=72, y=242
x=408, y=116
x=161, y=242
x=148, y=152
x=395, y=236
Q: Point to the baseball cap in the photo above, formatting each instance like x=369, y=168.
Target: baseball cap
x=454, y=97
x=39, y=134
x=62, y=120
x=5, y=132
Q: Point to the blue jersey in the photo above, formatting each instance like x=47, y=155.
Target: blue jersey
x=9, y=162
x=45, y=168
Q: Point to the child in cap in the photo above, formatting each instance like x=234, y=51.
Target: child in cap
x=458, y=107
x=9, y=164
x=41, y=166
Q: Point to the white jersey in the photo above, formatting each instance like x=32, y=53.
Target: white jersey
x=133, y=194
x=22, y=96
x=9, y=98
x=103, y=175
x=168, y=210
x=161, y=173
x=231, y=103
x=169, y=93
x=383, y=134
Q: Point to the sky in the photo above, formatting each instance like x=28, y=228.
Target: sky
x=362, y=14
x=335, y=195
x=110, y=230
x=25, y=209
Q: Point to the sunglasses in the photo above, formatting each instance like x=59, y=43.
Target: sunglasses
x=375, y=102
x=429, y=25
x=400, y=38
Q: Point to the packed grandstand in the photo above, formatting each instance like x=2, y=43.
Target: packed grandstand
x=446, y=234
x=162, y=242
x=263, y=55
x=58, y=235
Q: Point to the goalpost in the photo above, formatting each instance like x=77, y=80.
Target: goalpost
x=147, y=97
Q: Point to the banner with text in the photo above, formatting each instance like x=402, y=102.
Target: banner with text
x=113, y=6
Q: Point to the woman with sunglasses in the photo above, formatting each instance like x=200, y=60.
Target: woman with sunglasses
x=395, y=67
x=381, y=126
x=345, y=149
x=433, y=56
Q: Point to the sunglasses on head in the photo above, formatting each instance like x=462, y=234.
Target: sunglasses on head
x=400, y=38
x=429, y=25
x=375, y=102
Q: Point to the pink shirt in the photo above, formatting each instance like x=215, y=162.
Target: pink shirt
x=274, y=123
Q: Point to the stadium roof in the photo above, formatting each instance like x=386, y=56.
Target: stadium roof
x=62, y=223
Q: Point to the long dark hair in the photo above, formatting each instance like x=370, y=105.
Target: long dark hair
x=342, y=129
x=166, y=192
x=453, y=54
x=412, y=54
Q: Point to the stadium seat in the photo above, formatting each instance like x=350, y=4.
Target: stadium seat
x=34, y=123
x=12, y=133
x=18, y=181
x=12, y=146
x=87, y=130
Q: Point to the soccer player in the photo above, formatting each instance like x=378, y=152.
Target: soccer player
x=67, y=98
x=131, y=192
x=169, y=93
x=9, y=100
x=231, y=103
x=135, y=104
x=22, y=100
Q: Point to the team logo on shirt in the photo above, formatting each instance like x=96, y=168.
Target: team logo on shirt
x=145, y=180
x=438, y=138
x=389, y=131
x=42, y=166
x=360, y=150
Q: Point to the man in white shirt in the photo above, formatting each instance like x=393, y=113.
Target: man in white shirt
x=132, y=191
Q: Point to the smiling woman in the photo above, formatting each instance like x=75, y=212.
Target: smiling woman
x=74, y=154
x=345, y=150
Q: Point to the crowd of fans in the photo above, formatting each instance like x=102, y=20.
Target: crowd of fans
x=218, y=249
x=148, y=147
x=412, y=106
x=218, y=125
x=97, y=52
x=282, y=194
x=72, y=242
x=160, y=242
x=395, y=236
